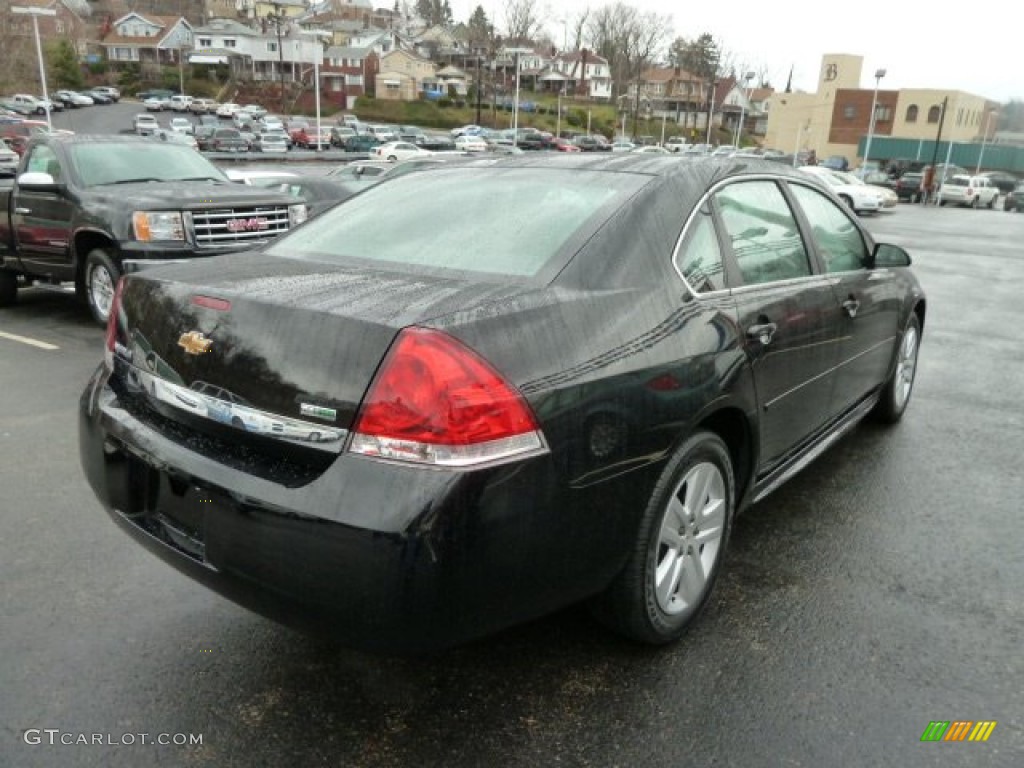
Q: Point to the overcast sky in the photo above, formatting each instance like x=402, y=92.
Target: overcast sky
x=966, y=47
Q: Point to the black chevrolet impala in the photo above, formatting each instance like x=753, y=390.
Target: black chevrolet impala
x=473, y=395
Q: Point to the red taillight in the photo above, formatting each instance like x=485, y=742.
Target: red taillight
x=436, y=401
x=970, y=191
x=113, y=317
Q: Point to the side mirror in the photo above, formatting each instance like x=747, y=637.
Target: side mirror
x=888, y=255
x=38, y=181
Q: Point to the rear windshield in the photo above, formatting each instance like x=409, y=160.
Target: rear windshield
x=511, y=222
x=959, y=181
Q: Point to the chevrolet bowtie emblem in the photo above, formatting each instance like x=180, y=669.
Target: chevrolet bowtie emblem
x=194, y=343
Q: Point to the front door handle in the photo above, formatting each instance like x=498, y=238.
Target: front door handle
x=24, y=211
x=763, y=332
x=851, y=305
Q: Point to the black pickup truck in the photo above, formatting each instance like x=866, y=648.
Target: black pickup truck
x=84, y=209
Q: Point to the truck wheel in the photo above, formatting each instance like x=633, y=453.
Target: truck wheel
x=8, y=288
x=98, y=283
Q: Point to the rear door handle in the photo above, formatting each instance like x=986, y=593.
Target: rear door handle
x=763, y=332
x=851, y=305
x=24, y=211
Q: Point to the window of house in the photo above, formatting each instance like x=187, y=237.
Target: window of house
x=849, y=112
x=272, y=47
x=883, y=114
x=933, y=113
x=206, y=42
x=912, y=113
x=229, y=43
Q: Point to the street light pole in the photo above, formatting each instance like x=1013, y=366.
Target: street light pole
x=743, y=108
x=711, y=109
x=35, y=13
x=879, y=74
x=277, y=18
x=317, y=33
x=984, y=138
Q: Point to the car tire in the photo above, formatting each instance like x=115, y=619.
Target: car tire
x=679, y=547
x=992, y=203
x=897, y=390
x=974, y=203
x=392, y=159
x=99, y=281
x=8, y=287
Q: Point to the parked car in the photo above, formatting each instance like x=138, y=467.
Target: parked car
x=652, y=150
x=18, y=133
x=972, y=191
x=1014, y=200
x=271, y=141
x=17, y=107
x=592, y=144
x=1005, y=182
x=674, y=144
x=723, y=150
x=203, y=106
x=468, y=142
x=144, y=124
x=255, y=110
x=73, y=99
x=107, y=203
x=319, y=193
x=564, y=145
x=30, y=103
x=156, y=103
x=339, y=133
x=224, y=140
x=109, y=91
x=8, y=159
x=362, y=142
x=444, y=455
x=228, y=109
x=471, y=130
x=908, y=186
x=182, y=125
x=393, y=151
x=887, y=196
x=308, y=138
x=622, y=145
x=175, y=137
x=155, y=93
x=859, y=197
x=382, y=133
x=835, y=163
x=179, y=102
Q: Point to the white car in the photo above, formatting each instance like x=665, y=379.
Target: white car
x=623, y=146
x=179, y=102
x=156, y=104
x=174, y=137
x=182, y=125
x=8, y=159
x=469, y=143
x=228, y=109
x=271, y=141
x=859, y=197
x=651, y=151
x=145, y=125
x=30, y=103
x=381, y=133
x=271, y=123
x=888, y=197
x=255, y=110
x=74, y=98
x=394, y=151
x=972, y=191
x=470, y=130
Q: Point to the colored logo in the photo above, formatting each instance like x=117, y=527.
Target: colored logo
x=194, y=343
x=958, y=730
x=255, y=224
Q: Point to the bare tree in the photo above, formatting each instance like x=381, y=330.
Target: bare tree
x=629, y=39
x=579, y=24
x=523, y=19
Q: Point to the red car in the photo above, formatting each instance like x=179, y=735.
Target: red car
x=564, y=145
x=307, y=137
x=18, y=132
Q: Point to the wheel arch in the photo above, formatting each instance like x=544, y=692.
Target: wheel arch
x=86, y=241
x=733, y=427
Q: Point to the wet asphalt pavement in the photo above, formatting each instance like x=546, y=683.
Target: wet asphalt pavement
x=879, y=590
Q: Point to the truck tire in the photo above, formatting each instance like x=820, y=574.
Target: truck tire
x=8, y=288
x=99, y=280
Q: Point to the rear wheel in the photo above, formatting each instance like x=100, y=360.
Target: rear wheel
x=98, y=283
x=992, y=202
x=679, y=546
x=974, y=203
x=897, y=390
x=8, y=288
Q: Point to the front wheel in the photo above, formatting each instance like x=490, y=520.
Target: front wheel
x=99, y=281
x=8, y=288
x=974, y=203
x=679, y=546
x=392, y=159
x=896, y=391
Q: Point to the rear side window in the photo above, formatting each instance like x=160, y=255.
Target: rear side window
x=506, y=222
x=700, y=258
x=764, y=234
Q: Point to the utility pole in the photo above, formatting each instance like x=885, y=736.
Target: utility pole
x=479, y=89
x=278, y=18
x=938, y=136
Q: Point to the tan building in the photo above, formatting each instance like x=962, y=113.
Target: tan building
x=401, y=75
x=834, y=119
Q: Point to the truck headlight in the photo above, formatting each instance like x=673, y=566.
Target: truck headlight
x=158, y=225
x=297, y=214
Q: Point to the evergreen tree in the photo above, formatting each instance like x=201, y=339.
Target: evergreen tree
x=63, y=65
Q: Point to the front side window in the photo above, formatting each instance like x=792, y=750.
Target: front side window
x=764, y=235
x=44, y=160
x=700, y=258
x=836, y=237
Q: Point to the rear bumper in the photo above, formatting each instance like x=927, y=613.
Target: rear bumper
x=382, y=557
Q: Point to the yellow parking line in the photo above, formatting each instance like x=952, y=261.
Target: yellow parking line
x=27, y=340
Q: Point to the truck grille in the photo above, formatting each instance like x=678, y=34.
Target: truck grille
x=226, y=227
